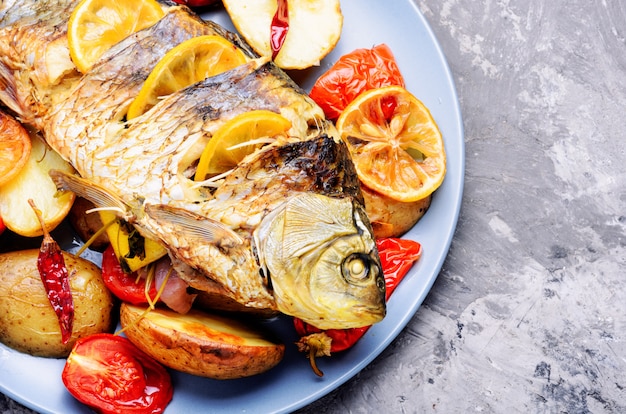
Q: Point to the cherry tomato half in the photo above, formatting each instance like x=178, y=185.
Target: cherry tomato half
x=127, y=287
x=352, y=74
x=108, y=373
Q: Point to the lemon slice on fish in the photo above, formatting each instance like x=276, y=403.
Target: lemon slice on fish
x=238, y=138
x=96, y=25
x=191, y=61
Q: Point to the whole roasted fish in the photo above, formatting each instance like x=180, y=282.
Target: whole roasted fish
x=285, y=230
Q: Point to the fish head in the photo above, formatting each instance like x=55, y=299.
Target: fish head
x=322, y=261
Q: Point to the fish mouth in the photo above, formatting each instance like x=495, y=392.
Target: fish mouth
x=364, y=315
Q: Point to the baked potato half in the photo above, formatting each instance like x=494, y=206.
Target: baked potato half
x=27, y=321
x=314, y=29
x=200, y=343
x=389, y=217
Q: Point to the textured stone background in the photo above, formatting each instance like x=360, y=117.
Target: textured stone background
x=529, y=311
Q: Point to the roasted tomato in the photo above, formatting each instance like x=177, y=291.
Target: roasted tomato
x=127, y=287
x=396, y=257
x=352, y=74
x=108, y=373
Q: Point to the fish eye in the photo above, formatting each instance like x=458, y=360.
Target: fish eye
x=356, y=268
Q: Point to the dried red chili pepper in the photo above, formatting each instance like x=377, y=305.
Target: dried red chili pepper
x=55, y=278
x=279, y=28
x=396, y=258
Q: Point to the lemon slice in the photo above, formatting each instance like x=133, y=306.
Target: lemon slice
x=394, y=142
x=189, y=62
x=15, y=148
x=238, y=138
x=96, y=25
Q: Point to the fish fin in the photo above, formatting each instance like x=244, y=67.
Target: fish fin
x=95, y=193
x=194, y=225
x=304, y=221
x=8, y=92
x=315, y=214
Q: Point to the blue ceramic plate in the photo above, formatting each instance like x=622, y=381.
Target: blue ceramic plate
x=36, y=382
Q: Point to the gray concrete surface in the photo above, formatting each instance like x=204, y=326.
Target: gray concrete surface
x=529, y=311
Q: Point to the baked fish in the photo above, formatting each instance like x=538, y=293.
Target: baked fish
x=285, y=230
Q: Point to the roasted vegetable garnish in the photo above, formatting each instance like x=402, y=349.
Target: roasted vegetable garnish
x=55, y=278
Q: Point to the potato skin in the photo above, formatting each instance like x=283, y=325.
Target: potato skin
x=28, y=322
x=389, y=217
x=86, y=225
x=190, y=343
x=216, y=300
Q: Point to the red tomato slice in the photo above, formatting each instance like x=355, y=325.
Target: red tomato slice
x=2, y=226
x=127, y=287
x=352, y=74
x=108, y=373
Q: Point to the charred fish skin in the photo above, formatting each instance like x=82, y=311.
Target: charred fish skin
x=319, y=165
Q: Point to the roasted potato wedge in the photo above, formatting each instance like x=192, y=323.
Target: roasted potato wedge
x=28, y=322
x=200, y=343
x=214, y=298
x=389, y=217
x=33, y=182
x=314, y=29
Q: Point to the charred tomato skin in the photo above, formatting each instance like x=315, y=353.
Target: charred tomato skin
x=108, y=373
x=354, y=73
